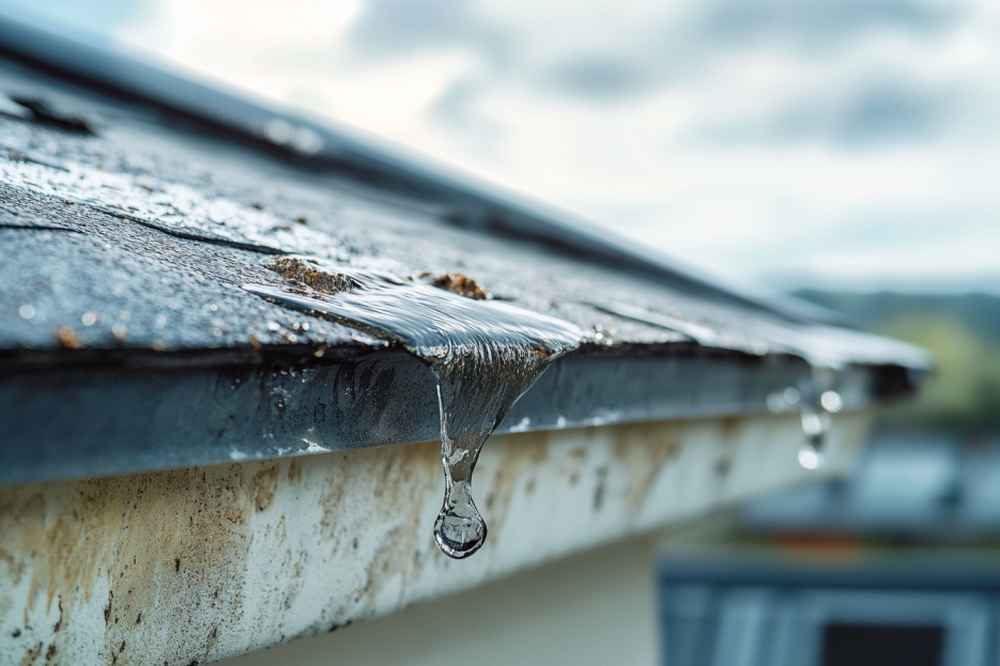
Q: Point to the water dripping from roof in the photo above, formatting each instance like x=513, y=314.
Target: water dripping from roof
x=819, y=401
x=484, y=354
x=816, y=399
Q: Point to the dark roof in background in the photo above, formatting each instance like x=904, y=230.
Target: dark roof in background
x=917, y=486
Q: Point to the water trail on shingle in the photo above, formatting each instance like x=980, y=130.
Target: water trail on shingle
x=484, y=355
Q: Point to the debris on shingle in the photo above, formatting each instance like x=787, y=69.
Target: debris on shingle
x=457, y=283
x=67, y=338
x=306, y=273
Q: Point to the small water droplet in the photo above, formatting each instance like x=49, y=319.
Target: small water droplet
x=306, y=141
x=831, y=401
x=810, y=459
x=26, y=312
x=281, y=397
x=602, y=335
x=88, y=318
x=522, y=425
x=278, y=130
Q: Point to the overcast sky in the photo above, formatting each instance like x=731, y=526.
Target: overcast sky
x=855, y=142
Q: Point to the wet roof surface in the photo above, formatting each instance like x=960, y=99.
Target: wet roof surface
x=138, y=236
x=128, y=233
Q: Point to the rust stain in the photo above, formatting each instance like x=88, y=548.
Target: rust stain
x=14, y=565
x=407, y=476
x=332, y=499
x=58, y=624
x=265, y=482
x=32, y=654
x=125, y=535
x=171, y=549
x=294, y=470
x=520, y=453
x=730, y=428
x=645, y=449
x=398, y=479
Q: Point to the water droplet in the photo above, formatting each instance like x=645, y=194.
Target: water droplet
x=459, y=529
x=810, y=459
x=278, y=130
x=281, y=398
x=306, y=140
x=522, y=425
x=26, y=311
x=831, y=401
x=782, y=401
x=602, y=335
x=88, y=318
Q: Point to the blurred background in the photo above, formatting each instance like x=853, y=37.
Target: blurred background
x=843, y=152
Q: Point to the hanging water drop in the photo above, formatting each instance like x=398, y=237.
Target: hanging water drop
x=484, y=354
x=459, y=529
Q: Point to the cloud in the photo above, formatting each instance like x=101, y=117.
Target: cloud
x=599, y=77
x=862, y=115
x=397, y=28
x=806, y=23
